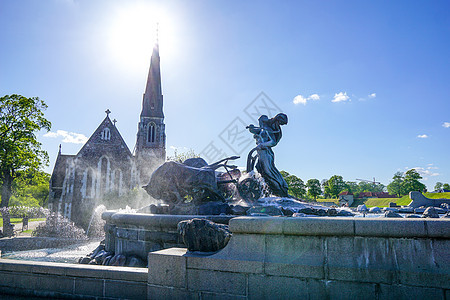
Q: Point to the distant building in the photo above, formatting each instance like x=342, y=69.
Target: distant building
x=375, y=195
x=345, y=198
x=105, y=164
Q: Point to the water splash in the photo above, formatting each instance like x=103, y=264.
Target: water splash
x=58, y=226
x=95, y=228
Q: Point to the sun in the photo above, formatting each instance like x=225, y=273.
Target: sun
x=133, y=34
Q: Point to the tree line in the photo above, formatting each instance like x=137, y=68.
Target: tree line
x=402, y=184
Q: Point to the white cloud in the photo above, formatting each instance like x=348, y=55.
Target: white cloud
x=340, y=97
x=314, y=97
x=300, y=99
x=446, y=124
x=422, y=136
x=373, y=95
x=425, y=172
x=68, y=137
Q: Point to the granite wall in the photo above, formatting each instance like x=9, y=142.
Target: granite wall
x=139, y=234
x=312, y=258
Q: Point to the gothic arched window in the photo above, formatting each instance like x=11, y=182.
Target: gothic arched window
x=106, y=134
x=104, y=168
x=151, y=133
x=89, y=181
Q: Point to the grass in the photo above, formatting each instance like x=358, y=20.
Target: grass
x=437, y=195
x=405, y=200
x=328, y=200
x=19, y=220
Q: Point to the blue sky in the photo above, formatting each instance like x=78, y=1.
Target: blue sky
x=365, y=84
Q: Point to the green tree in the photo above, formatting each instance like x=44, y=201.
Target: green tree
x=314, y=189
x=351, y=187
x=438, y=186
x=396, y=187
x=412, y=183
x=20, y=151
x=446, y=186
x=297, y=187
x=325, y=189
x=30, y=188
x=335, y=185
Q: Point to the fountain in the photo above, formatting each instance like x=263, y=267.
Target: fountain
x=271, y=244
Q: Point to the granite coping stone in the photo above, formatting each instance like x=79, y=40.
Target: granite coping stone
x=342, y=226
x=156, y=222
x=75, y=270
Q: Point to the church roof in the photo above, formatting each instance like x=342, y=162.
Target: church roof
x=59, y=170
x=106, y=138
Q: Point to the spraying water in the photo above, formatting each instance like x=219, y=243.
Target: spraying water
x=96, y=224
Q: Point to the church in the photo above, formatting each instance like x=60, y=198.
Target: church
x=105, y=165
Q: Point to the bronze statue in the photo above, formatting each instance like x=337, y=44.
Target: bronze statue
x=267, y=135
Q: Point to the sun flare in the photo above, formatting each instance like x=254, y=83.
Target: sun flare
x=133, y=34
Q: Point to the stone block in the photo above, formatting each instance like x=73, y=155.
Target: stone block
x=244, y=247
x=378, y=227
x=225, y=265
x=295, y=256
x=160, y=237
x=438, y=228
x=125, y=289
x=316, y=289
x=168, y=223
x=86, y=271
x=167, y=267
x=89, y=287
x=319, y=226
x=15, y=265
x=127, y=274
x=54, y=284
x=360, y=259
x=7, y=278
x=276, y=287
x=216, y=296
x=351, y=290
x=157, y=292
x=127, y=234
x=49, y=269
x=404, y=292
x=216, y=282
x=422, y=262
x=258, y=225
x=134, y=247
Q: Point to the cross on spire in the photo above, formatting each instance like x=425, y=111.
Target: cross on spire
x=114, y=122
x=157, y=33
x=107, y=112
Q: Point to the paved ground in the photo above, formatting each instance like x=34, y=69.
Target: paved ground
x=18, y=228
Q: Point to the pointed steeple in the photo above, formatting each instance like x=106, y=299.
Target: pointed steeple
x=152, y=103
x=150, y=149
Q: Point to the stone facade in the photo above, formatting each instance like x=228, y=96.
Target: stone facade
x=105, y=165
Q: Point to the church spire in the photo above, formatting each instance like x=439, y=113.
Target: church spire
x=150, y=147
x=152, y=103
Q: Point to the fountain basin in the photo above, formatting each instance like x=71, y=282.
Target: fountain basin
x=137, y=234
x=312, y=258
x=266, y=258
